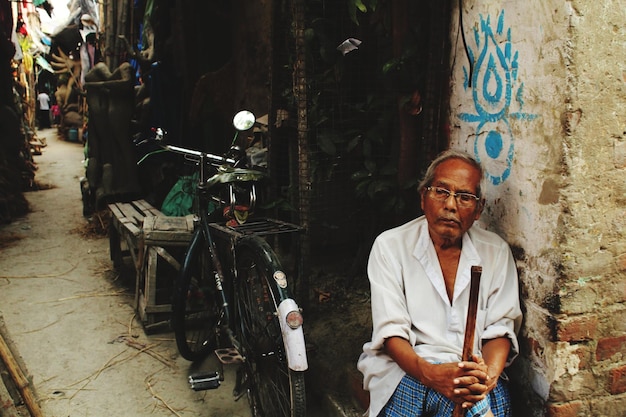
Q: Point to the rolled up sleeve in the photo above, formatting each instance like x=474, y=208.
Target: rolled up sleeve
x=390, y=315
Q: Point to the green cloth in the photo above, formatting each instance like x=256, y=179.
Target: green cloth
x=179, y=201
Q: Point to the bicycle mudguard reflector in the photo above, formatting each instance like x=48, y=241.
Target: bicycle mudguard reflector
x=295, y=347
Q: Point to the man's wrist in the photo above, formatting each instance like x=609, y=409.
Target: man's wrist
x=494, y=376
x=421, y=369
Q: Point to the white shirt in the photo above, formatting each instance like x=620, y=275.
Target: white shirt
x=409, y=300
x=44, y=101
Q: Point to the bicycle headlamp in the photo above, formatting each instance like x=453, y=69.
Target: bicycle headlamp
x=294, y=319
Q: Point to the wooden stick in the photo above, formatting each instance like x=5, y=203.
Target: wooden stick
x=20, y=380
x=470, y=326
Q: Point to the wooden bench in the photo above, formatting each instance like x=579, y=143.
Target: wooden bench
x=155, y=242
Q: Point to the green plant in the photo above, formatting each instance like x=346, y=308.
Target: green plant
x=355, y=6
x=355, y=99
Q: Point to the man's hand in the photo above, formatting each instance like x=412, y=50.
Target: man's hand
x=464, y=383
x=475, y=383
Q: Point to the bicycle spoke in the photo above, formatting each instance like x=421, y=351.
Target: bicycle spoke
x=270, y=385
x=195, y=313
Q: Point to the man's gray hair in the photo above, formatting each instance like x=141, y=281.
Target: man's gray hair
x=429, y=176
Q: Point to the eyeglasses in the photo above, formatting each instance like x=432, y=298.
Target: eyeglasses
x=466, y=200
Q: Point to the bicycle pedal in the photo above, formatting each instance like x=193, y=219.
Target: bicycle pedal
x=228, y=356
x=205, y=381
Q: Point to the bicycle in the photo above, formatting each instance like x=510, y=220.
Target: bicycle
x=232, y=296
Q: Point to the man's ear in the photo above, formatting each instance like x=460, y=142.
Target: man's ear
x=479, y=208
x=422, y=193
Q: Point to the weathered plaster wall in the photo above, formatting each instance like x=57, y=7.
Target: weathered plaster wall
x=592, y=293
x=538, y=94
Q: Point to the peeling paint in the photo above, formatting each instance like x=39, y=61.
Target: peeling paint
x=562, y=360
x=549, y=192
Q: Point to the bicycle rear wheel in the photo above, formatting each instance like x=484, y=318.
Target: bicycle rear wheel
x=274, y=390
x=195, y=311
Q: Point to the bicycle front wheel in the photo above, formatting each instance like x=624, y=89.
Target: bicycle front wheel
x=274, y=390
x=195, y=309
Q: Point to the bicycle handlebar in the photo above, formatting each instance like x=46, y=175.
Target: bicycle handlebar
x=197, y=156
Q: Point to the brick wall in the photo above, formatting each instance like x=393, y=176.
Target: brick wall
x=547, y=117
x=593, y=285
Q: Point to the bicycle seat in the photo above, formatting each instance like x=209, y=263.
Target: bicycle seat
x=229, y=175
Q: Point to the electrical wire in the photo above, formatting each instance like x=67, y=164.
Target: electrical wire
x=465, y=47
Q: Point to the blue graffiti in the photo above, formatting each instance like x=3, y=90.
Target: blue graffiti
x=494, y=85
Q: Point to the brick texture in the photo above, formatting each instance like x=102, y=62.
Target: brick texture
x=609, y=346
x=577, y=329
x=613, y=406
x=617, y=380
x=570, y=409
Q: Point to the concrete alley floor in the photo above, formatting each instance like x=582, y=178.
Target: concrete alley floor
x=70, y=321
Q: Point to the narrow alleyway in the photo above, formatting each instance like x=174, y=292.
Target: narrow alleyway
x=71, y=319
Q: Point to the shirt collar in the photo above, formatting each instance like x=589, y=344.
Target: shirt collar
x=425, y=253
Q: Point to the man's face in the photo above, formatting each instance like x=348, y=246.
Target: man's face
x=447, y=220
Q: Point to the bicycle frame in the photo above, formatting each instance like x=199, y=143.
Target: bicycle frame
x=232, y=289
x=293, y=338
x=295, y=347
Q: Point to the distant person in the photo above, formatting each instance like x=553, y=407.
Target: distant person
x=420, y=278
x=44, y=110
x=55, y=111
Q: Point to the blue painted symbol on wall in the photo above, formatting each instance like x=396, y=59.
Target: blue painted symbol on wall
x=492, y=84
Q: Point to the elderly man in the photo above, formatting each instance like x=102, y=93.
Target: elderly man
x=420, y=274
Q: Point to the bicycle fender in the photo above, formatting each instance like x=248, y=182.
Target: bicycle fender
x=295, y=347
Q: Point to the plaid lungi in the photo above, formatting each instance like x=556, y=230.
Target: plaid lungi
x=413, y=399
